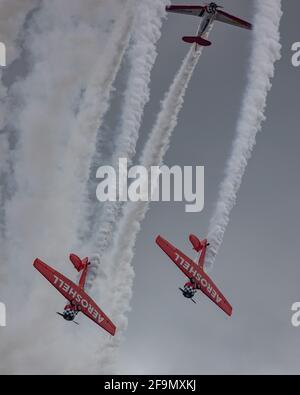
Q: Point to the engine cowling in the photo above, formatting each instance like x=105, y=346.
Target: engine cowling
x=189, y=290
x=212, y=8
x=196, y=243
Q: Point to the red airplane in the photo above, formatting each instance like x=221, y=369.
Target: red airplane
x=75, y=294
x=209, y=13
x=194, y=271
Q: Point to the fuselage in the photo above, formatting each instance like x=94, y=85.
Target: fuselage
x=208, y=16
x=81, y=265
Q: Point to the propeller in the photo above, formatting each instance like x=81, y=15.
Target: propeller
x=215, y=6
x=61, y=315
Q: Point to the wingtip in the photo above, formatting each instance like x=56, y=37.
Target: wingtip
x=113, y=331
x=160, y=240
x=35, y=262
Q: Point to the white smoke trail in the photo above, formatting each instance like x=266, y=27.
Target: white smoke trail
x=81, y=146
x=63, y=52
x=64, y=41
x=142, y=55
x=120, y=270
x=13, y=14
x=266, y=51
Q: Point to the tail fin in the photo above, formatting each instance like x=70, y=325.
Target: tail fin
x=200, y=247
x=201, y=262
x=196, y=40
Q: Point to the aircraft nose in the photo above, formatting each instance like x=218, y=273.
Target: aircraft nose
x=68, y=318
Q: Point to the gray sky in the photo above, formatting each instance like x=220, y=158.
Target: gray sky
x=257, y=268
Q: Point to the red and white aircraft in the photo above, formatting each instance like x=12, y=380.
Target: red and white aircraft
x=209, y=13
x=194, y=271
x=75, y=294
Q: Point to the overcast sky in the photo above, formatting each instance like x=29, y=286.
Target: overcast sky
x=258, y=266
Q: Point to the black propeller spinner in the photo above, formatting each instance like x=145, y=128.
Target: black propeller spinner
x=213, y=7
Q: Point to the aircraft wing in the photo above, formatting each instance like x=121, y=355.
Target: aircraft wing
x=232, y=20
x=73, y=293
x=186, y=9
x=193, y=272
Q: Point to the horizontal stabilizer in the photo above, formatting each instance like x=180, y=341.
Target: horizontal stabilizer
x=196, y=40
x=78, y=263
